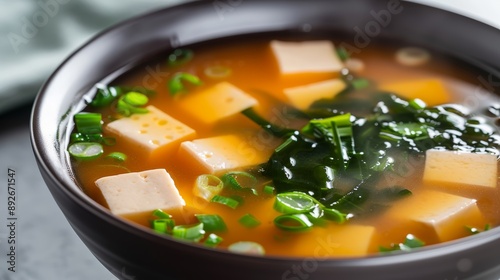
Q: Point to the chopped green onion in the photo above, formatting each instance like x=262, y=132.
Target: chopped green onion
x=162, y=215
x=211, y=222
x=207, y=186
x=135, y=99
x=118, y=156
x=473, y=230
x=249, y=221
x=293, y=222
x=189, y=232
x=163, y=225
x=360, y=83
x=85, y=150
x=294, y=202
x=213, y=240
x=240, y=180
x=342, y=53
x=411, y=242
x=268, y=190
x=218, y=72
x=176, y=86
x=334, y=215
x=417, y=104
x=229, y=202
x=179, y=57
x=80, y=137
x=105, y=95
x=247, y=247
x=129, y=104
x=88, y=123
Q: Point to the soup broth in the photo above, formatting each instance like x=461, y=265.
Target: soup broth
x=380, y=223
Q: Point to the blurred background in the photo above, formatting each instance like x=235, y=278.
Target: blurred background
x=36, y=36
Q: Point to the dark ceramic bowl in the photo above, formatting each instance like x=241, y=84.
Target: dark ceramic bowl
x=133, y=252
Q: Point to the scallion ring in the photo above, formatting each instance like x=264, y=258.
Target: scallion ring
x=207, y=186
x=294, y=202
x=85, y=150
x=293, y=222
x=213, y=240
x=88, y=123
x=227, y=201
x=176, y=86
x=189, y=232
x=217, y=72
x=211, y=222
x=179, y=57
x=247, y=247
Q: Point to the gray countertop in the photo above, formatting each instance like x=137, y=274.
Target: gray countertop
x=46, y=246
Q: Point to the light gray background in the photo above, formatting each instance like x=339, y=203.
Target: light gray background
x=47, y=246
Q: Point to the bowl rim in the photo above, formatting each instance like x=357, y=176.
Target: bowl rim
x=39, y=144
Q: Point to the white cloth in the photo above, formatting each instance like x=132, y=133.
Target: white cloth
x=36, y=36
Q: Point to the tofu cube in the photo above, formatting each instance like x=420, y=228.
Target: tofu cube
x=223, y=153
x=139, y=192
x=432, y=91
x=302, y=97
x=216, y=103
x=306, y=57
x=437, y=214
x=461, y=168
x=348, y=240
x=155, y=132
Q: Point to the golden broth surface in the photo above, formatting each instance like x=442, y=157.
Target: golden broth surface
x=255, y=71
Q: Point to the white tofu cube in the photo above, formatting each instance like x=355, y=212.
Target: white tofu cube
x=461, y=168
x=223, y=153
x=442, y=214
x=302, y=97
x=139, y=192
x=306, y=57
x=155, y=132
x=217, y=102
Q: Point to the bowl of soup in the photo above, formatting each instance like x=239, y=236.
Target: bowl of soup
x=280, y=140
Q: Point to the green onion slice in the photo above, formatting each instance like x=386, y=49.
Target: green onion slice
x=135, y=99
x=162, y=215
x=247, y=247
x=189, y=232
x=129, y=104
x=105, y=95
x=179, y=57
x=293, y=222
x=217, y=72
x=163, y=225
x=294, y=202
x=213, y=240
x=334, y=215
x=268, y=190
x=207, y=186
x=211, y=222
x=240, y=180
x=342, y=53
x=229, y=202
x=85, y=150
x=88, y=123
x=249, y=221
x=175, y=85
x=117, y=156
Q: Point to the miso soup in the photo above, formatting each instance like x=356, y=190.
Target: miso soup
x=294, y=148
